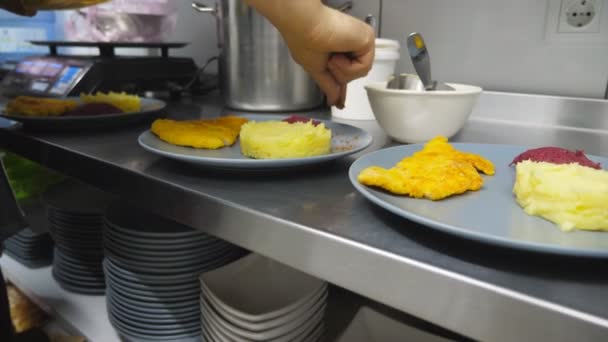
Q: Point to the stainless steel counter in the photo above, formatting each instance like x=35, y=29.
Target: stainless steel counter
x=314, y=220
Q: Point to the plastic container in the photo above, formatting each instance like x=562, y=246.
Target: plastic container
x=356, y=106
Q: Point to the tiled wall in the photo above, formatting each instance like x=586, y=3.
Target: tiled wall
x=497, y=44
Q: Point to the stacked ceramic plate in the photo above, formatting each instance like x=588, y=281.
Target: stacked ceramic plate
x=369, y=326
x=75, y=213
x=258, y=299
x=30, y=248
x=152, y=266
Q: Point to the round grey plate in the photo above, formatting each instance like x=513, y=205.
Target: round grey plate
x=346, y=140
x=489, y=215
x=155, y=279
x=149, y=108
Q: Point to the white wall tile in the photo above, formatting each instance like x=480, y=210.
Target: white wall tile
x=496, y=44
x=199, y=29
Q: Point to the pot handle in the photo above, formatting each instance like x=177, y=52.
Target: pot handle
x=199, y=7
x=345, y=7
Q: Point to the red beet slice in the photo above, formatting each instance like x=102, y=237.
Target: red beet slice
x=297, y=118
x=556, y=155
x=94, y=108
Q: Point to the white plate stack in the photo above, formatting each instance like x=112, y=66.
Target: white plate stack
x=258, y=299
x=75, y=214
x=152, y=265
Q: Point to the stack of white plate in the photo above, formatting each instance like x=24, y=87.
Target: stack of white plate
x=258, y=299
x=75, y=213
x=151, y=266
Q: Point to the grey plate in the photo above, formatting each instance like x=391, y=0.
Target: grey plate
x=169, y=251
x=166, y=305
x=136, y=222
x=69, y=275
x=152, y=296
x=147, y=333
x=76, y=217
x=136, y=284
x=154, y=268
x=165, y=255
x=75, y=235
x=156, y=279
x=489, y=215
x=29, y=262
x=168, y=321
x=180, y=302
x=154, y=308
x=90, y=224
x=163, y=261
x=166, y=245
x=77, y=287
x=149, y=108
x=201, y=239
x=95, y=274
x=346, y=140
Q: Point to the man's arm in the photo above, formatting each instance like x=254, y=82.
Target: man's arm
x=17, y=7
x=333, y=47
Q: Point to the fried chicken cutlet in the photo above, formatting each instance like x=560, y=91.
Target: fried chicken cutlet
x=436, y=172
x=39, y=106
x=205, y=133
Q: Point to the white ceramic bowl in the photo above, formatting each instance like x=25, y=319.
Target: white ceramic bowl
x=412, y=116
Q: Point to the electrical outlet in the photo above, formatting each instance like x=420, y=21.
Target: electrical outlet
x=577, y=22
x=579, y=16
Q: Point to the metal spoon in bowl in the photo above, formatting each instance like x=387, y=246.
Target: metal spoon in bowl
x=422, y=62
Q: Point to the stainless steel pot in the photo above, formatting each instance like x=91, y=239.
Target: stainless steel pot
x=256, y=70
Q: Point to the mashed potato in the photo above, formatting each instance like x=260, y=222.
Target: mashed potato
x=278, y=139
x=570, y=195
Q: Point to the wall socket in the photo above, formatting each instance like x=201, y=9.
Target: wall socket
x=577, y=22
x=580, y=16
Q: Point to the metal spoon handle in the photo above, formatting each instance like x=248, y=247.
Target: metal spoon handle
x=420, y=59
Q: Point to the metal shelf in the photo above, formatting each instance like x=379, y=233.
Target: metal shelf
x=314, y=221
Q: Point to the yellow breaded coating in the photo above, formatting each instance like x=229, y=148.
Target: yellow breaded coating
x=440, y=146
x=205, y=133
x=436, y=172
x=126, y=102
x=39, y=106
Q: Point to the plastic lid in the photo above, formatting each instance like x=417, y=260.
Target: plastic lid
x=386, y=54
x=383, y=43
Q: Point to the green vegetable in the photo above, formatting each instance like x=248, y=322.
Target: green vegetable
x=27, y=178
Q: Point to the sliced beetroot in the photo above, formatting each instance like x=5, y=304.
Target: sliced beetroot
x=94, y=108
x=556, y=155
x=297, y=118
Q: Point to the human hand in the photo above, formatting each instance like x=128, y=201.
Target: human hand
x=30, y=7
x=17, y=7
x=333, y=47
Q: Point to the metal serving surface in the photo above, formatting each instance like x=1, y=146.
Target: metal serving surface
x=315, y=221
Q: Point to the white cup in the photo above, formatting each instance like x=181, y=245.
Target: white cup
x=356, y=105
